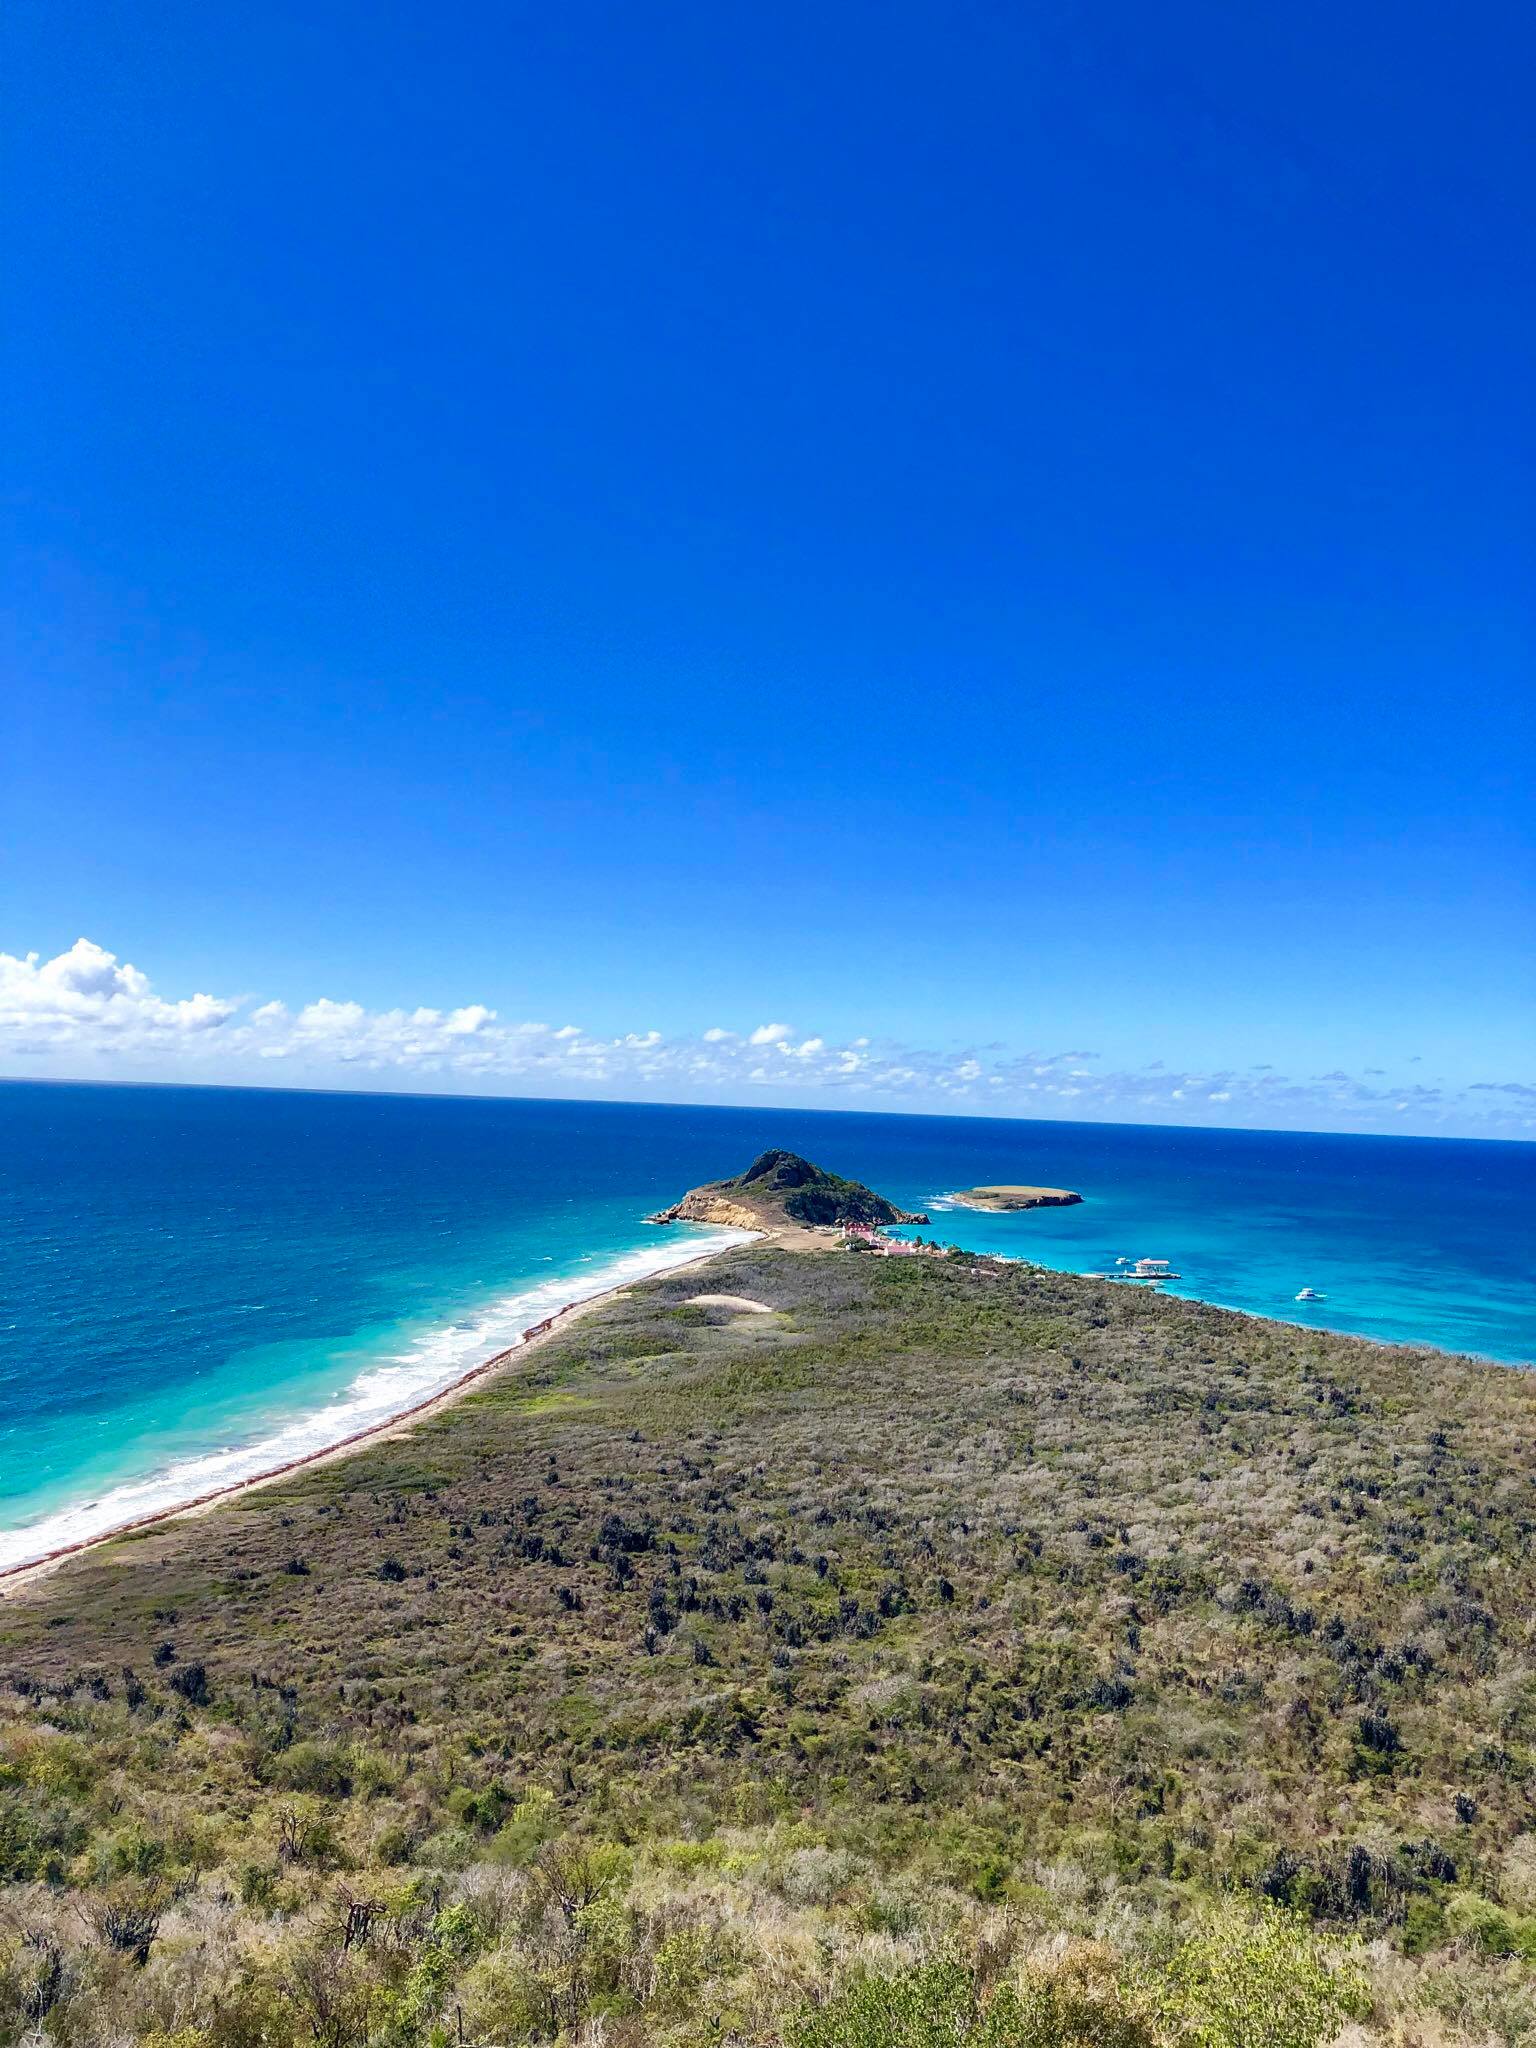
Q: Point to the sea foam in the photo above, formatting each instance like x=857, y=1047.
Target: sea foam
x=433, y=1359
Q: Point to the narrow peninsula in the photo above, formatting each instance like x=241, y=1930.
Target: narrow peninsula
x=803, y=1663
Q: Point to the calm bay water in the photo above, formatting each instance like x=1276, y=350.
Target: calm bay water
x=196, y=1284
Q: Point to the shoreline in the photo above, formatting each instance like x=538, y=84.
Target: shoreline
x=1319, y=1329
x=1512, y=1361
x=14, y=1577
x=1264, y=1315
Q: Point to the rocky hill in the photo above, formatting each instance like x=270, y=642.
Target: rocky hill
x=781, y=1188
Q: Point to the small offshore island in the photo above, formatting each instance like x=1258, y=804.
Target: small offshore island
x=1145, y=1666
x=1003, y=1200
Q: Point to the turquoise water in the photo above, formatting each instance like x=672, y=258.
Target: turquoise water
x=197, y=1284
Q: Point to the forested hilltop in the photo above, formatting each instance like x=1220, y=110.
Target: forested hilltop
x=956, y=1654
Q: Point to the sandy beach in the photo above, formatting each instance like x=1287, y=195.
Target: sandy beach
x=15, y=1579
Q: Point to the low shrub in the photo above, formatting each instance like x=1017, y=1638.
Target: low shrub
x=1257, y=1979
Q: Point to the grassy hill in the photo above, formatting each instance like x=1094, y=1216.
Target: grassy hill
x=957, y=1654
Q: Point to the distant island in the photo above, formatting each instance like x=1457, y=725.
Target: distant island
x=779, y=1189
x=1002, y=1199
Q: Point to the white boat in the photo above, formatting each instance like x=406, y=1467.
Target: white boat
x=1153, y=1269
x=1311, y=1294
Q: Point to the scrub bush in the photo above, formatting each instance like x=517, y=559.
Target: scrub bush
x=1257, y=1979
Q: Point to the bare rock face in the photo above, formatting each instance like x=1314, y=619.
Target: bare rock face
x=700, y=1206
x=781, y=1188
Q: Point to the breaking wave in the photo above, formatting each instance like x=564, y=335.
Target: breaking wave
x=426, y=1364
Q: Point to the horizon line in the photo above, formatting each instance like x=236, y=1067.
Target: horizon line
x=771, y=1109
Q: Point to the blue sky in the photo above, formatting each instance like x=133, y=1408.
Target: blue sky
x=1000, y=533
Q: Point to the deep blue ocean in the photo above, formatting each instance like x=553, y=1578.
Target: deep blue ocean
x=198, y=1283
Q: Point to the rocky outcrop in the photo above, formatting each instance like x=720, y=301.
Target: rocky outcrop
x=779, y=1189
x=700, y=1206
x=1004, y=1199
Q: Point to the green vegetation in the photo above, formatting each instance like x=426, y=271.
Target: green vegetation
x=960, y=1654
x=809, y=1194
x=781, y=1187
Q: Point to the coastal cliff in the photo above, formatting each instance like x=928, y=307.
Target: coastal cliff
x=1003, y=1200
x=781, y=1188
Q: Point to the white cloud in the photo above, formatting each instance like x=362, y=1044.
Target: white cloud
x=327, y=1018
x=88, y=1012
x=89, y=996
